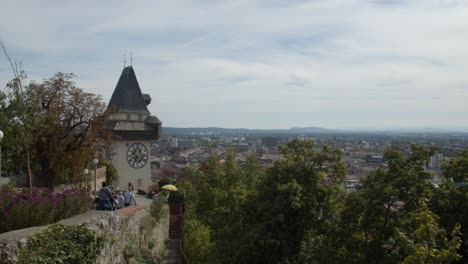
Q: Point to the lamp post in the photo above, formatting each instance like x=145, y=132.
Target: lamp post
x=95, y=162
x=1, y=137
x=86, y=178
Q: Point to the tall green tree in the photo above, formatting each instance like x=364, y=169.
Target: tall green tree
x=215, y=195
x=298, y=195
x=13, y=113
x=450, y=200
x=388, y=221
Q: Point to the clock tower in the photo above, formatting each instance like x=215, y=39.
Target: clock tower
x=134, y=128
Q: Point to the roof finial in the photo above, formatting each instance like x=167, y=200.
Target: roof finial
x=131, y=59
x=125, y=58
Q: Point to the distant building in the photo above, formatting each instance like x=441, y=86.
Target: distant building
x=374, y=158
x=436, y=161
x=270, y=141
x=174, y=142
x=366, y=146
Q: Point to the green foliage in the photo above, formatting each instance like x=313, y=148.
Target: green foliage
x=133, y=251
x=214, y=195
x=450, y=200
x=53, y=124
x=62, y=244
x=297, y=211
x=19, y=134
x=187, y=186
x=158, y=210
x=251, y=174
x=111, y=173
x=176, y=197
x=150, y=245
x=198, y=246
x=428, y=242
x=457, y=169
x=388, y=220
x=298, y=194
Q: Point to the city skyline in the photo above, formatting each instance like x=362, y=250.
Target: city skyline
x=369, y=65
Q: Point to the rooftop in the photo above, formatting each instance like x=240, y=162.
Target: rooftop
x=127, y=96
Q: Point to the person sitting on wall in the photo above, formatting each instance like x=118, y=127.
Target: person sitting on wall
x=96, y=203
x=105, y=198
x=115, y=201
x=129, y=198
x=120, y=199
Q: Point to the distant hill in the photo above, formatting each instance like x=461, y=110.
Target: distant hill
x=179, y=131
x=310, y=130
x=236, y=131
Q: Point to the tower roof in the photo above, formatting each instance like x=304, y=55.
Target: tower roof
x=127, y=96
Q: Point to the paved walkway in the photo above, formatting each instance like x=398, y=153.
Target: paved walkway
x=142, y=200
x=173, y=252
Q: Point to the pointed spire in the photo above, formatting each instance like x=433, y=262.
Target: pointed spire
x=127, y=96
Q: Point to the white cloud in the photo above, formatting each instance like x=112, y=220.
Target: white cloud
x=259, y=64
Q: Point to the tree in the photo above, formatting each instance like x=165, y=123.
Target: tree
x=252, y=174
x=63, y=124
x=457, y=169
x=198, y=245
x=428, y=243
x=299, y=194
x=72, y=123
x=215, y=194
x=13, y=107
x=389, y=221
x=450, y=200
x=111, y=173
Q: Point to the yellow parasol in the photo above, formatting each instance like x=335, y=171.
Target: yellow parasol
x=169, y=187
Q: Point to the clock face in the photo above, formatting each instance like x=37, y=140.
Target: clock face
x=137, y=155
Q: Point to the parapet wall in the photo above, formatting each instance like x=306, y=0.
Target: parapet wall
x=125, y=227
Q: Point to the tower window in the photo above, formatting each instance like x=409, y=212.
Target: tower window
x=129, y=117
x=140, y=117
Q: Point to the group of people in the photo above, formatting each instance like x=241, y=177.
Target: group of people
x=113, y=200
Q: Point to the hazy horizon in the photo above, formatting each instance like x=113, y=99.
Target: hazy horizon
x=381, y=64
x=356, y=129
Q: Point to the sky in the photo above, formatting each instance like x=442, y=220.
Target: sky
x=348, y=64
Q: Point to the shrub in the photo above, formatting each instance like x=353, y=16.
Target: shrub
x=111, y=173
x=133, y=251
x=150, y=245
x=198, y=245
x=176, y=197
x=158, y=210
x=20, y=209
x=62, y=244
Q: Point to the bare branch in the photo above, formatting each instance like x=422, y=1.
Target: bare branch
x=13, y=67
x=18, y=76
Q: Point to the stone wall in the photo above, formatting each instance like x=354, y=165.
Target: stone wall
x=123, y=228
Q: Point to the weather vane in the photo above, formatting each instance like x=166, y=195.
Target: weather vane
x=124, y=60
x=131, y=59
